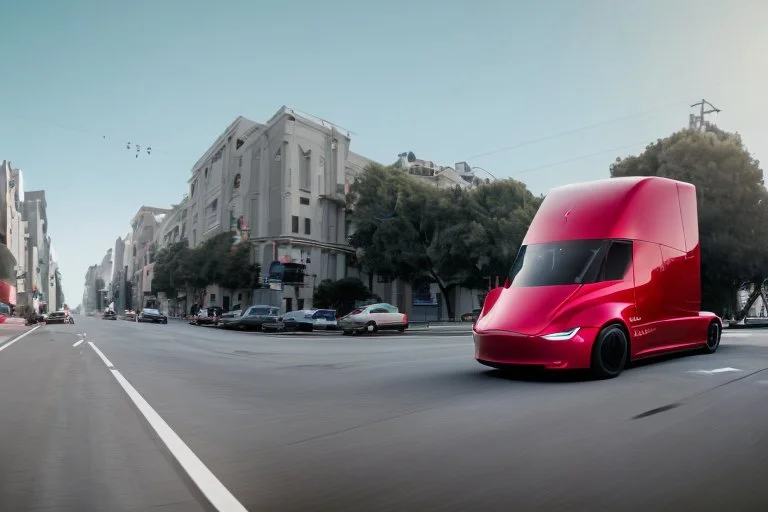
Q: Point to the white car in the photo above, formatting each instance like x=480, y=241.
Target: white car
x=372, y=318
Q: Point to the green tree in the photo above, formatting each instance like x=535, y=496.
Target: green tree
x=408, y=230
x=731, y=201
x=507, y=208
x=169, y=275
x=236, y=270
x=340, y=295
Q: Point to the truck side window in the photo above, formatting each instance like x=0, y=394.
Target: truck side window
x=617, y=261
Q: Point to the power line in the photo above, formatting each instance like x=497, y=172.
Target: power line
x=579, y=129
x=582, y=157
x=140, y=149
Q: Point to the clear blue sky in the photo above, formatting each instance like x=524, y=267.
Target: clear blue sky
x=446, y=79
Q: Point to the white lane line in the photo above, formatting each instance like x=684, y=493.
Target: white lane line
x=17, y=338
x=77, y=343
x=101, y=355
x=736, y=334
x=218, y=495
x=716, y=370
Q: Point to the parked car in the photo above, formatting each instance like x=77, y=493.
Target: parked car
x=57, y=317
x=152, y=315
x=300, y=320
x=292, y=321
x=471, y=317
x=229, y=316
x=324, y=319
x=204, y=316
x=252, y=318
x=109, y=315
x=130, y=315
x=376, y=317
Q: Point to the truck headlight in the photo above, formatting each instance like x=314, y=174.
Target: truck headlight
x=563, y=335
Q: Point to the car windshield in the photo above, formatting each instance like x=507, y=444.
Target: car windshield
x=326, y=314
x=151, y=312
x=557, y=263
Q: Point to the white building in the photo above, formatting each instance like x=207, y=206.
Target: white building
x=282, y=185
x=440, y=176
x=12, y=242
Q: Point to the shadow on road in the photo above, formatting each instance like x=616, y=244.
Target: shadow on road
x=537, y=375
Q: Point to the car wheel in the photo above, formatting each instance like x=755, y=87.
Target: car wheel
x=610, y=352
x=165, y=322
x=371, y=328
x=714, y=332
x=346, y=332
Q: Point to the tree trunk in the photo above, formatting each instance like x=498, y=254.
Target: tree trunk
x=750, y=300
x=444, y=292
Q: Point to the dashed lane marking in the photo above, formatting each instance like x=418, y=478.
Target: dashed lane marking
x=77, y=343
x=716, y=370
x=211, y=487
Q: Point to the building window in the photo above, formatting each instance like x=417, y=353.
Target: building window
x=304, y=177
x=307, y=226
x=212, y=214
x=295, y=224
x=304, y=200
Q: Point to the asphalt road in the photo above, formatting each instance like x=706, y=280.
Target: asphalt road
x=174, y=417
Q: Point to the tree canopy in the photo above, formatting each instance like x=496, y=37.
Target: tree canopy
x=340, y=295
x=731, y=202
x=451, y=236
x=215, y=261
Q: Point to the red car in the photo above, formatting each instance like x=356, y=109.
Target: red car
x=609, y=272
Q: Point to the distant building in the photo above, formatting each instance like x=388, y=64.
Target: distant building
x=144, y=226
x=281, y=185
x=12, y=242
x=38, y=269
x=440, y=176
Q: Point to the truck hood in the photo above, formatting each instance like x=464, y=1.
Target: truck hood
x=525, y=310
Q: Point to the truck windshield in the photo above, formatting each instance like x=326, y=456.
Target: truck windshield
x=558, y=263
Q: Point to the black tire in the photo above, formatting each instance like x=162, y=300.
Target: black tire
x=610, y=352
x=714, y=333
x=371, y=328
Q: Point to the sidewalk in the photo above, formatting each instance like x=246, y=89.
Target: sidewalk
x=444, y=326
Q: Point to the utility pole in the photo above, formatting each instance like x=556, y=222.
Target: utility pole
x=697, y=122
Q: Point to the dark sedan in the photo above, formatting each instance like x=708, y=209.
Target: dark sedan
x=152, y=315
x=252, y=318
